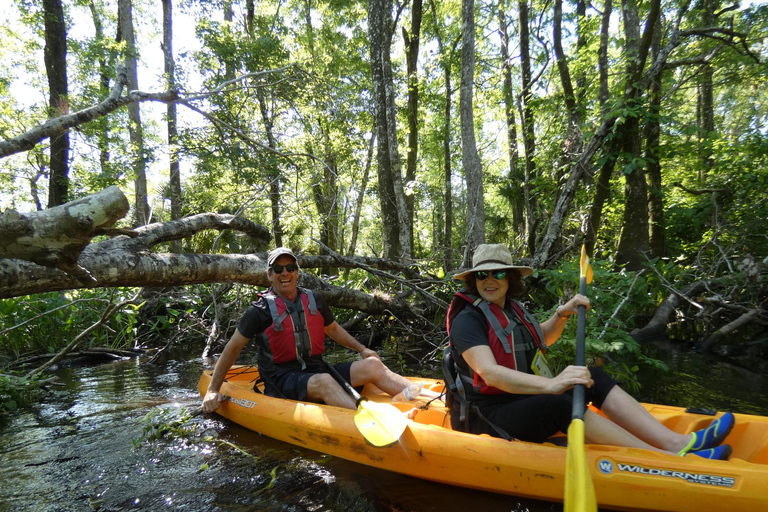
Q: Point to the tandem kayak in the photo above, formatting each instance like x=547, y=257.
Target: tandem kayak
x=624, y=478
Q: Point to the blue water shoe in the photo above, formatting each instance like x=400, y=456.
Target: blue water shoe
x=711, y=436
x=721, y=452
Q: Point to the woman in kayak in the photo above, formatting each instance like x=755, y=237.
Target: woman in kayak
x=498, y=351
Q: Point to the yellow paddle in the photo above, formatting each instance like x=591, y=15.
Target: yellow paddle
x=579, y=491
x=380, y=424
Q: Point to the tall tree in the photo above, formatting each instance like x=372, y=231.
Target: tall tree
x=56, y=67
x=603, y=185
x=446, y=60
x=515, y=176
x=174, y=183
x=135, y=129
x=529, y=129
x=634, y=242
x=394, y=211
x=412, y=39
x=473, y=169
x=706, y=103
x=103, y=129
x=652, y=135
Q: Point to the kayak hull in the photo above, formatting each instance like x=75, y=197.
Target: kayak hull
x=624, y=478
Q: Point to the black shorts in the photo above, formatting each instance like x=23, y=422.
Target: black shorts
x=534, y=418
x=292, y=383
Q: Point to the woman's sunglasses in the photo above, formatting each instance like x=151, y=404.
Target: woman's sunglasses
x=482, y=275
x=291, y=267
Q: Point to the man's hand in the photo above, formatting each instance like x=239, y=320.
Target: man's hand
x=211, y=401
x=366, y=353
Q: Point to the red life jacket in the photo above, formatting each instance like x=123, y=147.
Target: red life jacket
x=501, y=337
x=293, y=333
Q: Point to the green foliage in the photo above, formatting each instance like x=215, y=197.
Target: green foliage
x=16, y=391
x=48, y=322
x=617, y=300
x=166, y=423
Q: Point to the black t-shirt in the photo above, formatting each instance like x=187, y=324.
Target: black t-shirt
x=470, y=329
x=257, y=319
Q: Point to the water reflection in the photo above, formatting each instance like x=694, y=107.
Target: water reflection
x=73, y=449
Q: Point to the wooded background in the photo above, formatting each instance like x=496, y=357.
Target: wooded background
x=400, y=132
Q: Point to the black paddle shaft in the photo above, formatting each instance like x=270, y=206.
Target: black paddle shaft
x=581, y=327
x=347, y=386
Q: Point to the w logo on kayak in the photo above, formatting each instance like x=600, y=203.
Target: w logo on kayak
x=605, y=466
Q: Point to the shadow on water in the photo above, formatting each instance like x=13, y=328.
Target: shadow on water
x=73, y=450
x=698, y=380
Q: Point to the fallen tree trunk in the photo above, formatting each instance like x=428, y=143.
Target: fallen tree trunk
x=719, y=334
x=56, y=237
x=43, y=248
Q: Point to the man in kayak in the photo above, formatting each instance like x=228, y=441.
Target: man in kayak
x=291, y=323
x=498, y=350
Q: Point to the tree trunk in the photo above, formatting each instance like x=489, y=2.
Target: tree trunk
x=135, y=129
x=515, y=177
x=273, y=172
x=394, y=212
x=706, y=101
x=470, y=159
x=174, y=183
x=361, y=195
x=634, y=242
x=657, y=236
x=603, y=185
x=56, y=67
x=412, y=58
x=326, y=195
x=446, y=61
x=56, y=237
x=103, y=131
x=529, y=137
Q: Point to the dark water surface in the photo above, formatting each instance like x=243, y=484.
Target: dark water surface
x=73, y=449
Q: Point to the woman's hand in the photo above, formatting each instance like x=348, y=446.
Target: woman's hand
x=572, y=306
x=569, y=377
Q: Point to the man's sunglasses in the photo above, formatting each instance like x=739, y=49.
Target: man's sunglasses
x=291, y=267
x=482, y=275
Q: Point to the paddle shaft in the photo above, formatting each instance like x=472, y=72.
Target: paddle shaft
x=581, y=327
x=347, y=386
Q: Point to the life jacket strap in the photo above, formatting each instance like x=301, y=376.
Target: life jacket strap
x=457, y=391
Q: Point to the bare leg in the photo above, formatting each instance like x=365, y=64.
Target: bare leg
x=627, y=413
x=322, y=387
x=372, y=370
x=600, y=430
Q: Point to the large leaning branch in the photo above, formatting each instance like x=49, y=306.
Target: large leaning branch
x=54, y=127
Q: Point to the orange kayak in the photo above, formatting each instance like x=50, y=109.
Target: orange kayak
x=624, y=478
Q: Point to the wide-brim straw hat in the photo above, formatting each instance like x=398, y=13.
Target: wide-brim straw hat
x=493, y=257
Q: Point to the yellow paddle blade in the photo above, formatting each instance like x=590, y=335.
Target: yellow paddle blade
x=585, y=267
x=380, y=424
x=579, y=491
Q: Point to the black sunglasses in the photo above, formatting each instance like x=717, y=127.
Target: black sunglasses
x=482, y=275
x=291, y=267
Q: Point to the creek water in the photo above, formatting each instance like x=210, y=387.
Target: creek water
x=74, y=448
